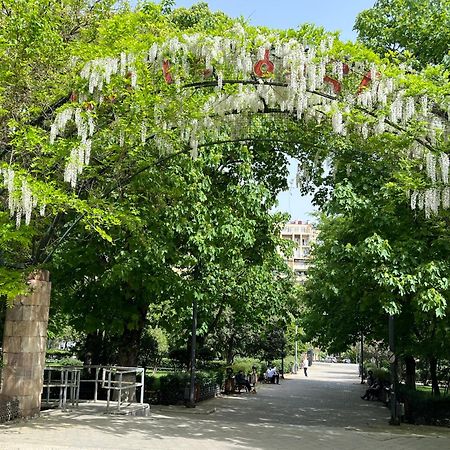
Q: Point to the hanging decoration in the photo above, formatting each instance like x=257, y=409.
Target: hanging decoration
x=307, y=85
x=264, y=67
x=166, y=71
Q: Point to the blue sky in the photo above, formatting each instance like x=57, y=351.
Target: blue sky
x=333, y=15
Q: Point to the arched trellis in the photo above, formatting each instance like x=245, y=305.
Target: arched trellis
x=206, y=89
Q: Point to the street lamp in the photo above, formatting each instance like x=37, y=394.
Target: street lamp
x=361, y=359
x=395, y=419
x=191, y=401
x=296, y=351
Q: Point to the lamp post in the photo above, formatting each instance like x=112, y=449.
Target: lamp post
x=296, y=351
x=395, y=419
x=361, y=359
x=191, y=402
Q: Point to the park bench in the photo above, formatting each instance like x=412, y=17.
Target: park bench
x=231, y=386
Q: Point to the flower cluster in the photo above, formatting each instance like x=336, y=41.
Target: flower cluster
x=80, y=155
x=98, y=72
x=438, y=195
x=299, y=79
x=84, y=122
x=21, y=200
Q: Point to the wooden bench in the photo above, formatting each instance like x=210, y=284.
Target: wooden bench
x=232, y=387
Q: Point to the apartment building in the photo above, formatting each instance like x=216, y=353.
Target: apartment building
x=303, y=234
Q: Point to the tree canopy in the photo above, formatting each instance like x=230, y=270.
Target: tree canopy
x=158, y=139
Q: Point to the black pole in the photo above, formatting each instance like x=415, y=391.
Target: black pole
x=361, y=359
x=395, y=420
x=191, y=403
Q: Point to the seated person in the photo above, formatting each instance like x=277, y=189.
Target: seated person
x=241, y=380
x=373, y=390
x=370, y=378
x=276, y=376
x=273, y=375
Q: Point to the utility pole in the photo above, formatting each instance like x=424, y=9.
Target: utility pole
x=296, y=351
x=191, y=402
x=395, y=419
x=361, y=359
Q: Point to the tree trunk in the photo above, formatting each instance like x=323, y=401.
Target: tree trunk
x=433, y=373
x=230, y=354
x=129, y=346
x=93, y=347
x=410, y=379
x=128, y=357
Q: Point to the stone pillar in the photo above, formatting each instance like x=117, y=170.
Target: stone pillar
x=24, y=345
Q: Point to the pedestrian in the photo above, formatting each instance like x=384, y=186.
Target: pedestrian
x=305, y=365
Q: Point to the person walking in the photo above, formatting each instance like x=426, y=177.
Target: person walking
x=305, y=365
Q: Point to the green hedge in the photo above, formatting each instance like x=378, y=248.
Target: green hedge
x=63, y=362
x=171, y=390
x=423, y=408
x=58, y=353
x=381, y=373
x=171, y=386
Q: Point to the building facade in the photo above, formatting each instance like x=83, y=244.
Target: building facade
x=303, y=234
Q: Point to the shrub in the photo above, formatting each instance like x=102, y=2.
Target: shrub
x=64, y=362
x=288, y=363
x=246, y=364
x=381, y=373
x=152, y=383
x=58, y=353
x=423, y=408
x=172, y=388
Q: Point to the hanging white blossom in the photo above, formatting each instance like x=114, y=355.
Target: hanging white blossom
x=337, y=121
x=380, y=126
x=445, y=197
x=396, y=109
x=365, y=131
x=414, y=196
x=296, y=87
x=444, y=163
x=143, y=133
x=21, y=199
x=430, y=162
x=409, y=110
x=432, y=201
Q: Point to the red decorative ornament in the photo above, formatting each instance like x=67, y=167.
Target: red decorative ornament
x=345, y=69
x=264, y=67
x=334, y=83
x=364, y=82
x=73, y=97
x=166, y=71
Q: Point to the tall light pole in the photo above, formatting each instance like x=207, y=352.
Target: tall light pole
x=191, y=402
x=361, y=359
x=296, y=350
x=395, y=419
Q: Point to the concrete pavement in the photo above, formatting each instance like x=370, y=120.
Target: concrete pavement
x=323, y=411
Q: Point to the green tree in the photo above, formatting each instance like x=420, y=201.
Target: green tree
x=404, y=28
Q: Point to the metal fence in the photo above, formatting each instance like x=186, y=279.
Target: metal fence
x=62, y=385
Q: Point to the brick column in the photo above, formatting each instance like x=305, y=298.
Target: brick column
x=24, y=345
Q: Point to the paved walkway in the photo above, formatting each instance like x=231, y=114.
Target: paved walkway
x=323, y=411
